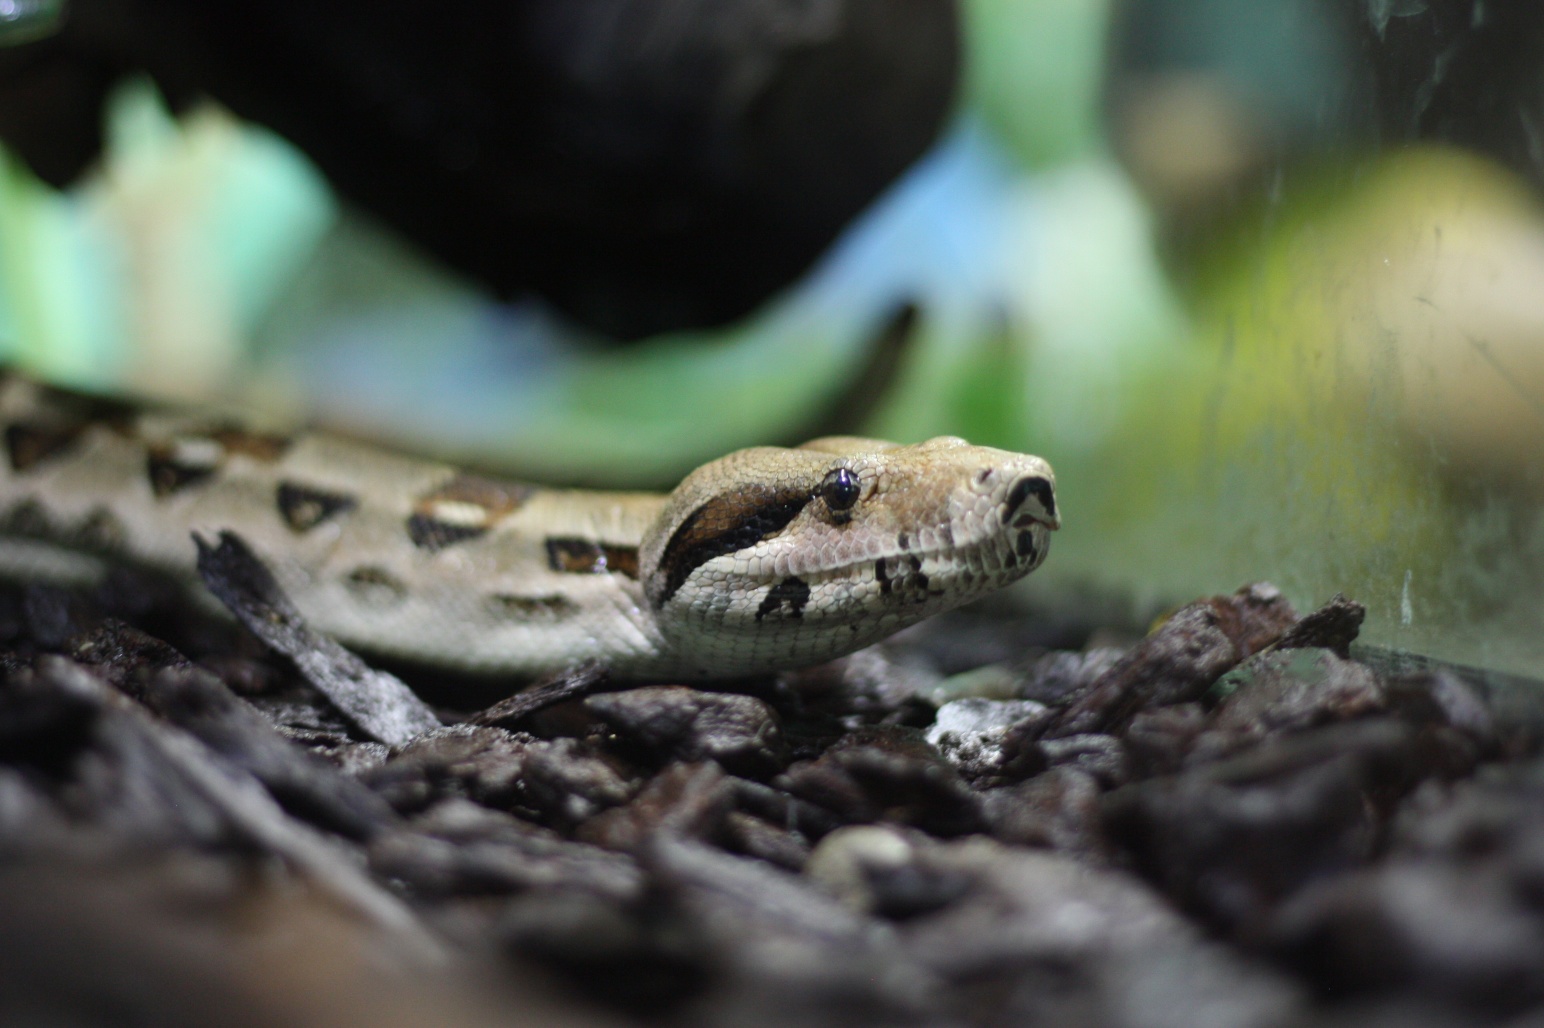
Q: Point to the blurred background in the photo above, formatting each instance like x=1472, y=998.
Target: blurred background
x=1265, y=282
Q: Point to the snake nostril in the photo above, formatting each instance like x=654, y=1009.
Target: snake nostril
x=1030, y=485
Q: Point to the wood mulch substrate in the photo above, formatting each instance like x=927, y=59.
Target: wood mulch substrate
x=1237, y=820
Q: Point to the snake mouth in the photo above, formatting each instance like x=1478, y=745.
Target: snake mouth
x=967, y=567
x=976, y=554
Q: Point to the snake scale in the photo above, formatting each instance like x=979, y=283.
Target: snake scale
x=766, y=559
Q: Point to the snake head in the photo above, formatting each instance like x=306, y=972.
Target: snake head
x=773, y=558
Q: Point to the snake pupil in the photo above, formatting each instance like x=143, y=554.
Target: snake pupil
x=840, y=490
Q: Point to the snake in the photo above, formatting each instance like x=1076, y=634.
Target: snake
x=765, y=560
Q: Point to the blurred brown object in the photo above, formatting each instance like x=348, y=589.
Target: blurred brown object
x=179, y=940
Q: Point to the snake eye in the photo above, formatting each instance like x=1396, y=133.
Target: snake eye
x=840, y=490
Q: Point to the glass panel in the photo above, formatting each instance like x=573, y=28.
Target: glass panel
x=1342, y=202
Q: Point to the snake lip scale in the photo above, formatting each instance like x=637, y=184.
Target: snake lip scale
x=767, y=559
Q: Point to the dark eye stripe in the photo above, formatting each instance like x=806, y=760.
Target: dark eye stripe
x=724, y=524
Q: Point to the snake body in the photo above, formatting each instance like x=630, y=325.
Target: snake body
x=766, y=559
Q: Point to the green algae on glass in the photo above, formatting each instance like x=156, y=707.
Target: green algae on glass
x=1033, y=72
x=1315, y=426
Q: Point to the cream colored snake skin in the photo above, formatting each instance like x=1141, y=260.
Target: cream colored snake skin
x=763, y=560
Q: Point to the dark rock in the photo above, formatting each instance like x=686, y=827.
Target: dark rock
x=1494, y=816
x=462, y=760
x=766, y=924
x=690, y=800
x=1058, y=679
x=1058, y=810
x=357, y=759
x=1042, y=938
x=1178, y=662
x=305, y=785
x=1490, y=826
x=138, y=782
x=1101, y=756
x=1182, y=986
x=753, y=837
x=1456, y=722
x=1256, y=616
x=1285, y=691
x=43, y=726
x=1157, y=740
x=459, y=848
x=1181, y=659
x=777, y=807
x=1321, y=820
x=98, y=765
x=1333, y=626
x=124, y=655
x=1389, y=1011
x=561, y=781
x=741, y=733
x=116, y=941
x=194, y=700
x=1458, y=703
x=890, y=775
x=297, y=716
x=734, y=897
x=641, y=956
x=792, y=954
x=1228, y=840
x=251, y=678
x=52, y=615
x=29, y=819
x=1441, y=931
x=565, y=782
